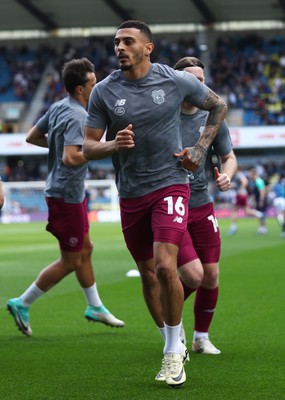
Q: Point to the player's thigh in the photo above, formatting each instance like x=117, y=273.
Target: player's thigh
x=205, y=233
x=160, y=216
x=67, y=222
x=169, y=215
x=136, y=227
x=187, y=252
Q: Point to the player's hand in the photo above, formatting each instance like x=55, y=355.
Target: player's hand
x=222, y=181
x=125, y=138
x=191, y=158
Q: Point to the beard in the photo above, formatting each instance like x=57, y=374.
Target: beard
x=125, y=67
x=136, y=59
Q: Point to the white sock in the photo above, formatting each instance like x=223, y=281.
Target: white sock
x=92, y=296
x=234, y=225
x=30, y=295
x=200, y=335
x=162, y=331
x=173, y=343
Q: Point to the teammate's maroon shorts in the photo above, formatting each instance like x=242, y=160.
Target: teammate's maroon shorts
x=202, y=238
x=160, y=216
x=241, y=200
x=68, y=223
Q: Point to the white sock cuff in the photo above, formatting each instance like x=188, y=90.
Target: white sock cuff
x=92, y=296
x=172, y=327
x=31, y=294
x=200, y=335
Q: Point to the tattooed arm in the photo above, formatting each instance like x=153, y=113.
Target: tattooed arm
x=193, y=156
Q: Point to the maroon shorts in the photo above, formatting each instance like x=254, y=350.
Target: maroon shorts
x=68, y=223
x=160, y=216
x=202, y=238
x=241, y=200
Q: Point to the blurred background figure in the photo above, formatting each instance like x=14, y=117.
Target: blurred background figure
x=279, y=200
x=1, y=195
x=257, y=188
x=241, y=202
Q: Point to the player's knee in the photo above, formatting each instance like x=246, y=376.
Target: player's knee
x=149, y=279
x=71, y=263
x=77, y=263
x=192, y=280
x=164, y=270
x=211, y=276
x=87, y=249
x=147, y=273
x=191, y=277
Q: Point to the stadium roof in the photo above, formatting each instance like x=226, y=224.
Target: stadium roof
x=50, y=17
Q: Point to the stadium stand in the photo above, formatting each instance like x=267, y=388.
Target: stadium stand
x=249, y=71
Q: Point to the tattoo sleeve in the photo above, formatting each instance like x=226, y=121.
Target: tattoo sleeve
x=217, y=111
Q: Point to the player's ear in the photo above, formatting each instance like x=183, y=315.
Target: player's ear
x=148, y=49
x=78, y=89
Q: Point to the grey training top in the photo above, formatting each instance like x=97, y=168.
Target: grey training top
x=152, y=106
x=64, y=124
x=192, y=127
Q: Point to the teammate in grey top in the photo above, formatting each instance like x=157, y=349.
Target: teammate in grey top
x=139, y=107
x=198, y=258
x=222, y=145
x=64, y=122
x=61, y=130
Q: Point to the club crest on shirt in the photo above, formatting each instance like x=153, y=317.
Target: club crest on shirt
x=158, y=96
x=120, y=111
x=73, y=241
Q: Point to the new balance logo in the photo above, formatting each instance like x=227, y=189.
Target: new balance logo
x=178, y=219
x=120, y=102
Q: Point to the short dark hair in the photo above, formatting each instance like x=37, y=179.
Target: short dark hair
x=186, y=62
x=74, y=73
x=140, y=25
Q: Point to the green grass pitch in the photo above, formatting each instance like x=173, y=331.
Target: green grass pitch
x=69, y=358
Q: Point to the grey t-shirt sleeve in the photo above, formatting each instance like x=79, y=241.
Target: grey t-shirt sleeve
x=73, y=135
x=97, y=113
x=222, y=143
x=43, y=123
x=193, y=90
